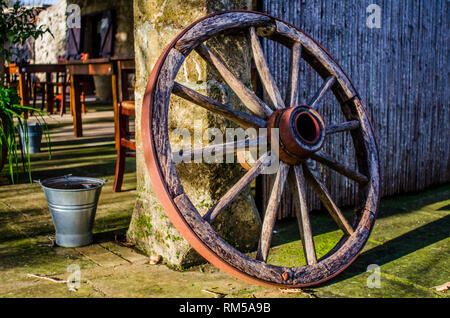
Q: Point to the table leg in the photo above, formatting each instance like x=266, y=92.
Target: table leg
x=23, y=90
x=75, y=104
x=50, y=93
x=116, y=109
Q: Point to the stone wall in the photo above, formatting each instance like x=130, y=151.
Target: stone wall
x=157, y=22
x=48, y=47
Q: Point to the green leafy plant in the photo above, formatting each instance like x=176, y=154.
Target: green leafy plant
x=17, y=24
x=11, y=109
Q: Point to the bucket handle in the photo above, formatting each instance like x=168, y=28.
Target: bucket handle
x=64, y=176
x=67, y=176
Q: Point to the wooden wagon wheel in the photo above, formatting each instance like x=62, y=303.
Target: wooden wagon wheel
x=301, y=134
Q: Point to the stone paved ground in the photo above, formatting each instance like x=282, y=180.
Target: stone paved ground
x=410, y=241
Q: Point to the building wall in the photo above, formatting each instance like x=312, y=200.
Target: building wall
x=400, y=70
x=48, y=47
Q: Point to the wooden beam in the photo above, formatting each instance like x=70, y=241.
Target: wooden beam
x=324, y=196
x=242, y=119
x=345, y=126
x=339, y=167
x=232, y=193
x=271, y=212
x=321, y=92
x=248, y=98
x=264, y=71
x=219, y=149
x=297, y=187
x=293, y=80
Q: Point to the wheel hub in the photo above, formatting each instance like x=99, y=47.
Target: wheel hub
x=301, y=132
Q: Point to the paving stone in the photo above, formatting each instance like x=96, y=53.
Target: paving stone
x=101, y=256
x=127, y=253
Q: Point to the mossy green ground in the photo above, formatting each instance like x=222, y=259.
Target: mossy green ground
x=410, y=241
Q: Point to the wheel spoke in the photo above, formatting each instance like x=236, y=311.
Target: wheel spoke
x=322, y=90
x=346, y=126
x=242, y=119
x=271, y=212
x=297, y=186
x=248, y=98
x=324, y=196
x=339, y=167
x=293, y=81
x=219, y=149
x=264, y=71
x=232, y=193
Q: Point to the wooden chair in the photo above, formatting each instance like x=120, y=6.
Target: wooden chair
x=61, y=93
x=38, y=87
x=126, y=146
x=62, y=86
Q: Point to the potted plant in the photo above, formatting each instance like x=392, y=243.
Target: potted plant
x=14, y=148
x=17, y=24
x=32, y=138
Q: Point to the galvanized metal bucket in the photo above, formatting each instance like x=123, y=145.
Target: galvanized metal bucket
x=34, y=131
x=73, y=203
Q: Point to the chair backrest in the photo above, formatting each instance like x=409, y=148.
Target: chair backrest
x=125, y=69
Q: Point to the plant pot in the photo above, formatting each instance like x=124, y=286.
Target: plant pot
x=72, y=202
x=34, y=138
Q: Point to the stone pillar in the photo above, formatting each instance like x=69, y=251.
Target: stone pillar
x=156, y=24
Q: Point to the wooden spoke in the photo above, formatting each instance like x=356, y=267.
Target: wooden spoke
x=242, y=119
x=322, y=90
x=322, y=192
x=231, y=194
x=346, y=126
x=219, y=149
x=293, y=81
x=297, y=187
x=339, y=167
x=271, y=212
x=248, y=98
x=264, y=71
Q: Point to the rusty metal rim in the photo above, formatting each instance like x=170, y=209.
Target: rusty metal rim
x=293, y=147
x=316, y=128
x=160, y=186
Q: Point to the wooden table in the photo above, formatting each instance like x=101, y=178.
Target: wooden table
x=24, y=72
x=102, y=66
